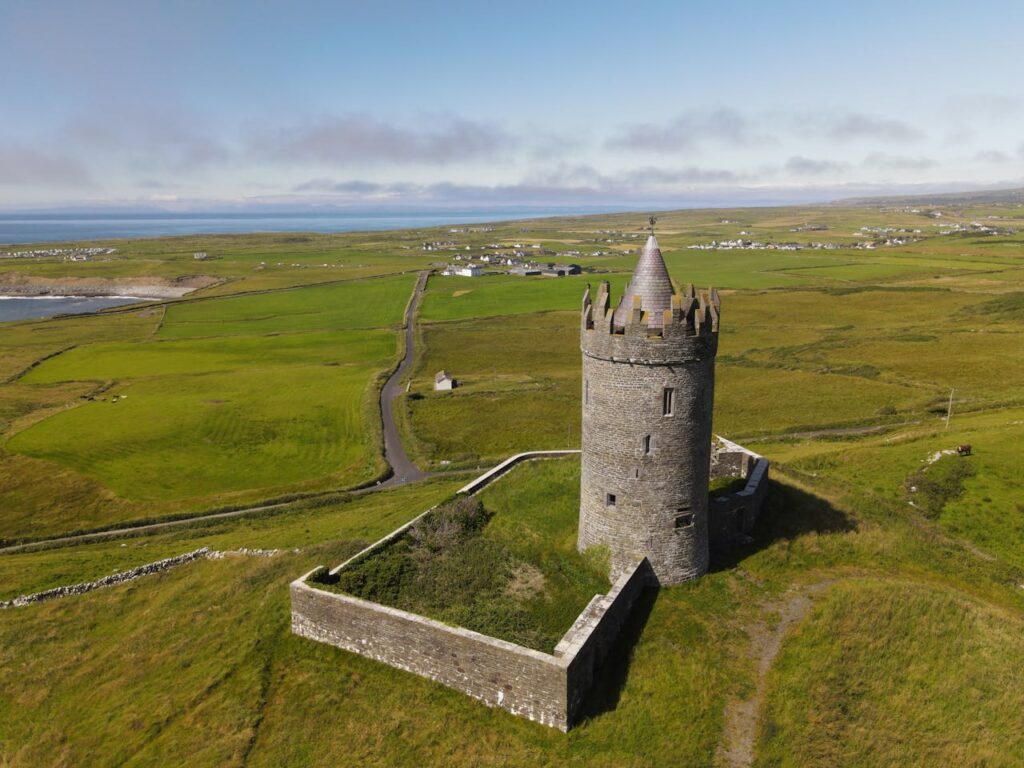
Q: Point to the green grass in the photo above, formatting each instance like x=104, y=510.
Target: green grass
x=147, y=427
x=987, y=510
x=354, y=304
x=933, y=487
x=346, y=523
x=893, y=673
x=456, y=298
x=519, y=389
x=122, y=361
x=505, y=565
x=216, y=433
x=909, y=658
x=25, y=343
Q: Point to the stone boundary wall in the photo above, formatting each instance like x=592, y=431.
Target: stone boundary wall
x=546, y=688
x=493, y=474
x=130, y=575
x=592, y=636
x=108, y=581
x=732, y=517
x=470, y=488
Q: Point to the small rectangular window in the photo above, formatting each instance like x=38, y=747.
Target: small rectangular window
x=609, y=500
x=647, y=445
x=684, y=520
x=666, y=401
x=586, y=391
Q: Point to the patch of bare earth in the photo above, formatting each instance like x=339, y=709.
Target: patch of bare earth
x=527, y=581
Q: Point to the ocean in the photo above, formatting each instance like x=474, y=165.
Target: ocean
x=29, y=308
x=24, y=230
x=47, y=228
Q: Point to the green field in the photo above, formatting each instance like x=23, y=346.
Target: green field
x=865, y=671
x=352, y=304
x=886, y=575
x=272, y=396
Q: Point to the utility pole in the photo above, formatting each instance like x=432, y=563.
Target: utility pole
x=949, y=410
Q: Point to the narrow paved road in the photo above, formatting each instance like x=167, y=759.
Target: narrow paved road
x=403, y=469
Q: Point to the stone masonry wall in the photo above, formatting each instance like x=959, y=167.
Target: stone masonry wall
x=644, y=473
x=546, y=688
x=651, y=488
x=587, y=644
x=732, y=517
x=525, y=682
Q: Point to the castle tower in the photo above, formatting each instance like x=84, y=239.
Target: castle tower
x=648, y=391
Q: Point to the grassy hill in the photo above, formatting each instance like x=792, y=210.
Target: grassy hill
x=865, y=624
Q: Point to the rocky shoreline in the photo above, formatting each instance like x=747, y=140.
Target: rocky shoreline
x=90, y=287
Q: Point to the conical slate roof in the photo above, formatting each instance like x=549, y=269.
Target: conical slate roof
x=651, y=283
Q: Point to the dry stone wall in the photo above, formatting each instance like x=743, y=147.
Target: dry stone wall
x=135, y=573
x=108, y=581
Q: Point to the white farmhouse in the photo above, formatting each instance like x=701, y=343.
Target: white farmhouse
x=443, y=382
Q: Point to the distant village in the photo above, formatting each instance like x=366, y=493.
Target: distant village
x=757, y=245
x=516, y=259
x=879, y=237
x=68, y=254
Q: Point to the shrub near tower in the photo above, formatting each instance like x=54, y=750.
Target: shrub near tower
x=648, y=393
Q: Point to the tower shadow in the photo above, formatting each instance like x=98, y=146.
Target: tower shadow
x=788, y=513
x=610, y=676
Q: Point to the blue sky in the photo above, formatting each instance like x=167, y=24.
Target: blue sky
x=223, y=105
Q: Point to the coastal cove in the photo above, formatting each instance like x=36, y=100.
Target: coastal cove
x=35, y=307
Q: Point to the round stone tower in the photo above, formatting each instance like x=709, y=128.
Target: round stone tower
x=648, y=392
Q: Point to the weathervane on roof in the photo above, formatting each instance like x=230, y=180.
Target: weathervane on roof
x=653, y=222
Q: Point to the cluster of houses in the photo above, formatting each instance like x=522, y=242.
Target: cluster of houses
x=977, y=228
x=887, y=231
x=68, y=254
x=440, y=245
x=757, y=245
x=510, y=266
x=614, y=236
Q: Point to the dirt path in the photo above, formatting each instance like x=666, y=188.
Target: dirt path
x=742, y=716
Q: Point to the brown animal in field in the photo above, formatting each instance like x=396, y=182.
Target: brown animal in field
x=963, y=450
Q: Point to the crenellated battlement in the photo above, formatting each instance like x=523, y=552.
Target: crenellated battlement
x=687, y=331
